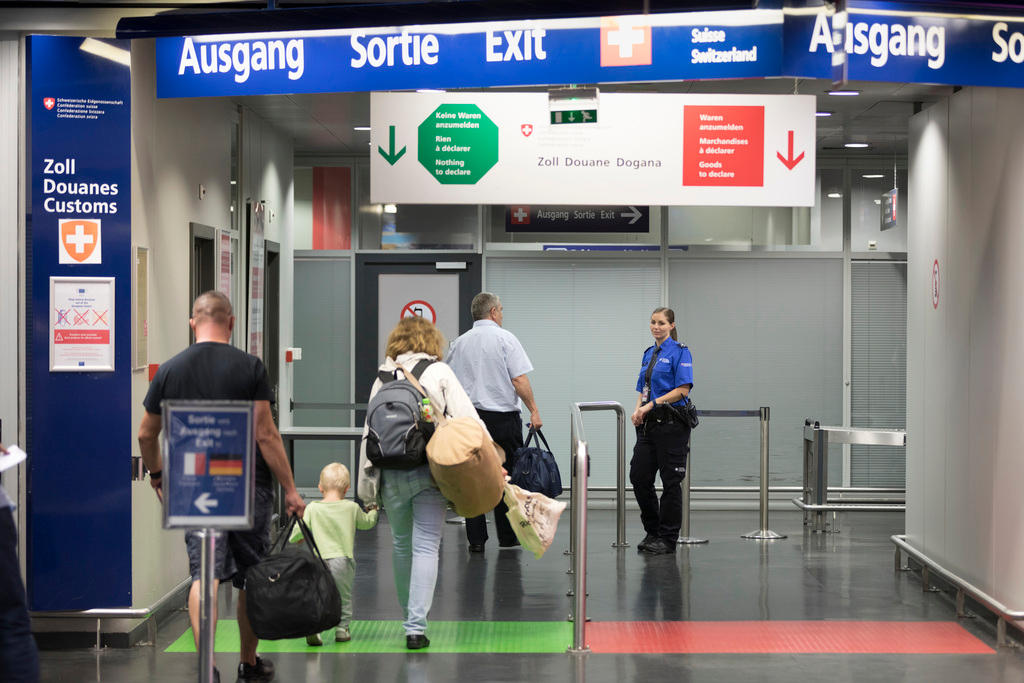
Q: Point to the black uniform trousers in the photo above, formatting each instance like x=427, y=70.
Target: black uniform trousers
x=661, y=449
x=507, y=431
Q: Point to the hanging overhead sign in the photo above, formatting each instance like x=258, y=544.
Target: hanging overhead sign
x=473, y=148
x=674, y=46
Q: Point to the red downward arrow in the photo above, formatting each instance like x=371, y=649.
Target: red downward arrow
x=789, y=161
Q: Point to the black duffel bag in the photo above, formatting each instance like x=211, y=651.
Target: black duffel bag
x=535, y=468
x=290, y=593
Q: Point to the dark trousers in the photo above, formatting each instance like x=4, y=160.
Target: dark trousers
x=661, y=449
x=19, y=659
x=507, y=431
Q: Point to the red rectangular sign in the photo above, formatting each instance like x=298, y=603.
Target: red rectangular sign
x=723, y=146
x=81, y=336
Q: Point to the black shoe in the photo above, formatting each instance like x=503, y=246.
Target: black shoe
x=262, y=670
x=659, y=547
x=642, y=545
x=476, y=547
x=216, y=675
x=509, y=546
x=417, y=641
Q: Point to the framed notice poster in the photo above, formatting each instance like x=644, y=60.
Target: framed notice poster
x=81, y=324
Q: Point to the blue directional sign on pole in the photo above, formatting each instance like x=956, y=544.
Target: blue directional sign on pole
x=208, y=464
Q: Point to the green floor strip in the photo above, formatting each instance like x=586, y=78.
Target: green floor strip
x=388, y=636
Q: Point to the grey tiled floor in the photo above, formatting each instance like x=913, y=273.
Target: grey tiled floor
x=848, y=576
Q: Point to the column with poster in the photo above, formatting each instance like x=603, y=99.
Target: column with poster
x=78, y=360
x=224, y=263
x=256, y=278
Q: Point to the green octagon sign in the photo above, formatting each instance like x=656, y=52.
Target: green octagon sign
x=458, y=144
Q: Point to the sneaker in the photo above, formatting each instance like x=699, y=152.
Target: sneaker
x=342, y=635
x=262, y=670
x=314, y=639
x=642, y=545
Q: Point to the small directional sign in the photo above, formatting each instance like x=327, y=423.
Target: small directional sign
x=574, y=116
x=391, y=156
x=527, y=218
x=208, y=464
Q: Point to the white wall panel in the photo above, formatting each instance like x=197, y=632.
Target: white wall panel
x=965, y=369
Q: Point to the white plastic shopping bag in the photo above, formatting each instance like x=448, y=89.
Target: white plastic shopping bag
x=533, y=516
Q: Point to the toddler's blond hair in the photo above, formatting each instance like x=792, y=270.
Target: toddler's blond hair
x=334, y=477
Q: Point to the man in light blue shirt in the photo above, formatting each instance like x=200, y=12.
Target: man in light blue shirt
x=491, y=365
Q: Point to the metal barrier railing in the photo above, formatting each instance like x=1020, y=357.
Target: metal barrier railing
x=580, y=472
x=576, y=432
x=763, y=533
x=815, y=501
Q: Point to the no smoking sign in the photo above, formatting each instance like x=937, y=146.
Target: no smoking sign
x=421, y=309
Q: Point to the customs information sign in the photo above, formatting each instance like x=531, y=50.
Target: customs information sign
x=208, y=464
x=644, y=149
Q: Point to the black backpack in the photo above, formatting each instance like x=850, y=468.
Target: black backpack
x=397, y=437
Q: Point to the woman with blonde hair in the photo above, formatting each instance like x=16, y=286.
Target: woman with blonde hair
x=412, y=501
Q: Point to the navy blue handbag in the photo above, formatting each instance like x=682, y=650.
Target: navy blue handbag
x=535, y=468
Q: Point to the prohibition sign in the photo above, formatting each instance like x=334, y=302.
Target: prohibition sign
x=421, y=309
x=935, y=284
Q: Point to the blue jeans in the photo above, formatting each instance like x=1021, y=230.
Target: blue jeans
x=19, y=659
x=416, y=518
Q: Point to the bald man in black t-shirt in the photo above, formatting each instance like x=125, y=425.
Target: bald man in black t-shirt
x=213, y=369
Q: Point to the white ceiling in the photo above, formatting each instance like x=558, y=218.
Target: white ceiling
x=322, y=124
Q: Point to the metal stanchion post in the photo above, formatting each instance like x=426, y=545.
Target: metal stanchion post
x=764, y=533
x=579, y=525
x=620, y=489
x=207, y=598
x=684, y=532
x=573, y=498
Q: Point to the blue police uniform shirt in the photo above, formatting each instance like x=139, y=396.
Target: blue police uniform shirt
x=673, y=368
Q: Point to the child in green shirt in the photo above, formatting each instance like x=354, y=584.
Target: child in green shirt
x=333, y=522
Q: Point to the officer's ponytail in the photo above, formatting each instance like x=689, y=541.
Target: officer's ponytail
x=670, y=316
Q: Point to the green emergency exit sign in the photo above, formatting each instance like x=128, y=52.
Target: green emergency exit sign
x=574, y=116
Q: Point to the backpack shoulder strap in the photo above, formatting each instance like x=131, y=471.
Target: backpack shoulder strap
x=423, y=364
x=384, y=376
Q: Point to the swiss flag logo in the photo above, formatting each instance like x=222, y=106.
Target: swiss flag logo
x=49, y=102
x=520, y=215
x=625, y=41
x=527, y=130
x=79, y=241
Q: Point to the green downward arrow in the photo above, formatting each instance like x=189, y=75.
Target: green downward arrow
x=390, y=156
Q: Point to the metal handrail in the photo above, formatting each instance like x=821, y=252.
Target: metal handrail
x=101, y=613
x=576, y=433
x=962, y=585
x=580, y=472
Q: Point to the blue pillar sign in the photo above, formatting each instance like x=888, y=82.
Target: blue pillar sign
x=208, y=464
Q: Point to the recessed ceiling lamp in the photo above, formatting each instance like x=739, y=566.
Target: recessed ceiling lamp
x=823, y=113
x=844, y=93
x=856, y=145
x=834, y=195
x=872, y=176
x=360, y=128
x=390, y=208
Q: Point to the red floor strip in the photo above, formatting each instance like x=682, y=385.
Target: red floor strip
x=763, y=637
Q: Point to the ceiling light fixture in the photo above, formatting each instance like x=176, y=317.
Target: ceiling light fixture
x=834, y=195
x=844, y=93
x=360, y=128
x=822, y=113
x=872, y=176
x=390, y=208
x=856, y=145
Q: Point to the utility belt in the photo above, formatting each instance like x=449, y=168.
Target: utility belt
x=664, y=414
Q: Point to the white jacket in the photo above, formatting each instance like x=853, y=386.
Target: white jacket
x=446, y=395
